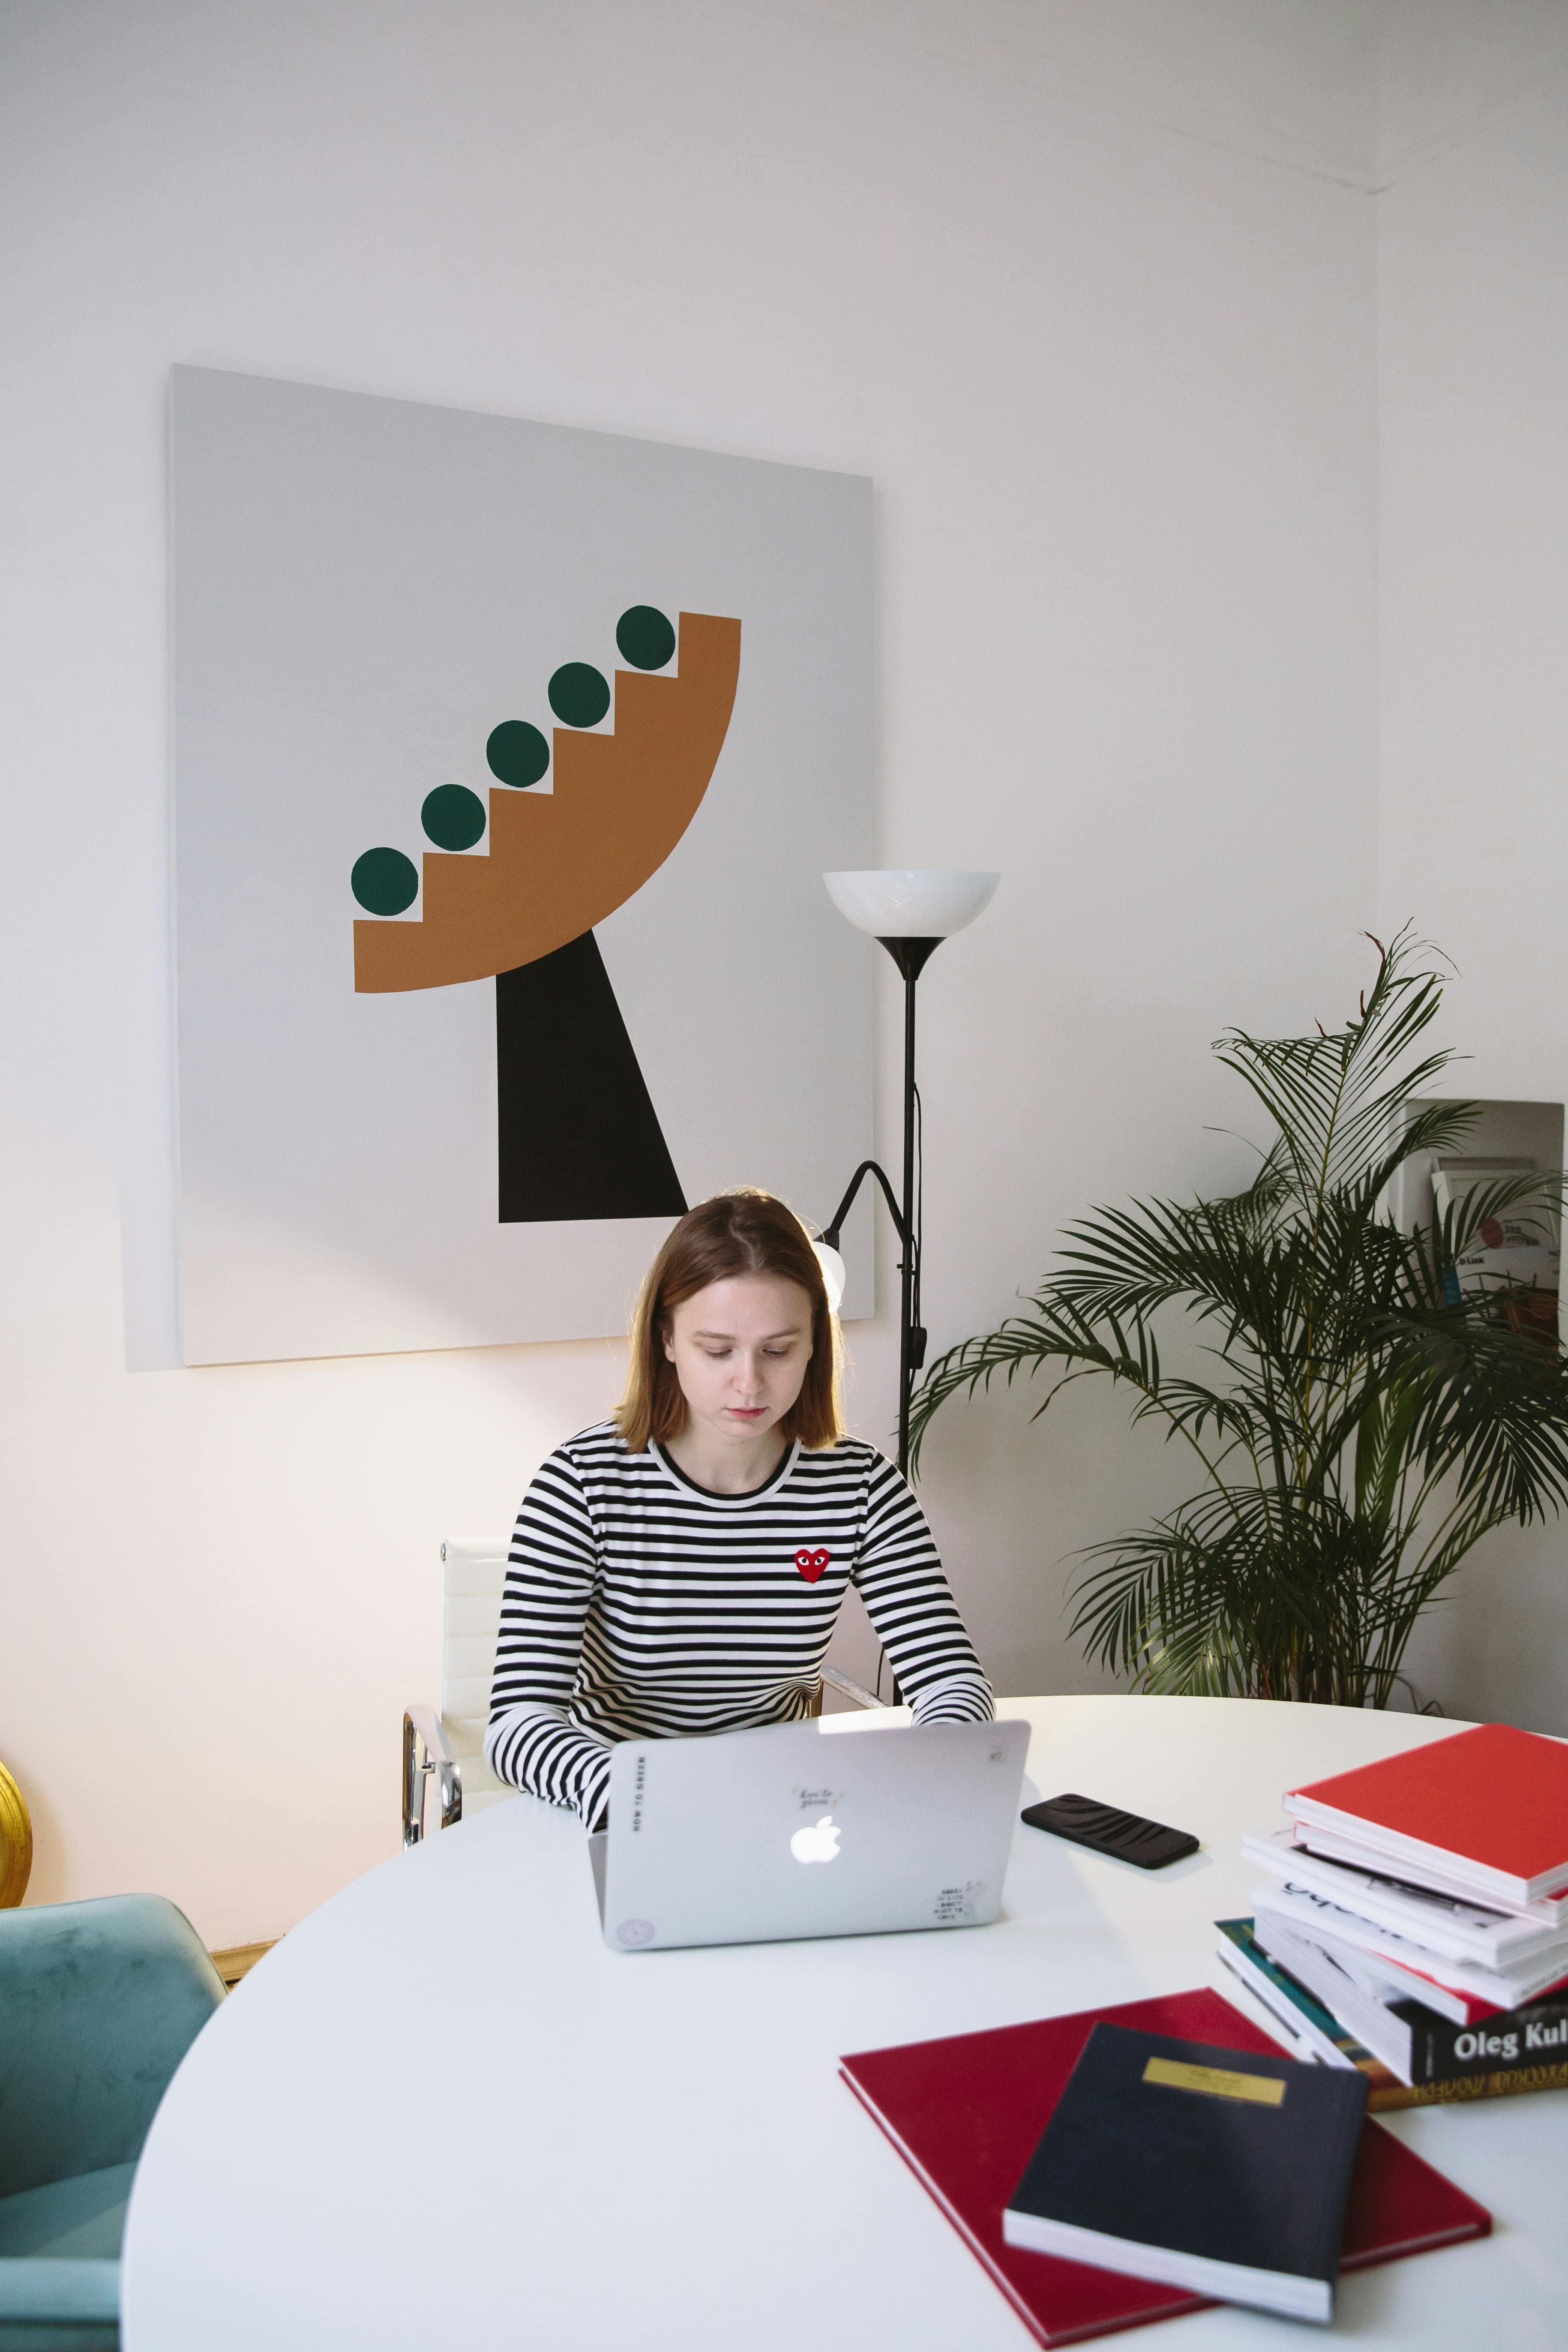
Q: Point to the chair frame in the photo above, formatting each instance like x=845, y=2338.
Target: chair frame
x=425, y=1752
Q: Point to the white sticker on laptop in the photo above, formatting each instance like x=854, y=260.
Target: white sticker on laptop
x=954, y=1906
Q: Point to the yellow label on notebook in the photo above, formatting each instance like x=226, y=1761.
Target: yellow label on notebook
x=1219, y=2081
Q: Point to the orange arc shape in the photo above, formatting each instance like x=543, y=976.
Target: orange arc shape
x=560, y=862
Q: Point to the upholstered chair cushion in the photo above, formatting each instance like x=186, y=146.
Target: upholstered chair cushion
x=101, y=2001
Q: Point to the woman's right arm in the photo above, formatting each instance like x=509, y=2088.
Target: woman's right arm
x=544, y=1607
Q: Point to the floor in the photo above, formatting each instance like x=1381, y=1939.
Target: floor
x=238, y=1961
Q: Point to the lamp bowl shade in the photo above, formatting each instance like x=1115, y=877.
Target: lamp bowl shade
x=907, y=903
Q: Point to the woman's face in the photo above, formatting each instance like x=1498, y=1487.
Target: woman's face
x=740, y=1350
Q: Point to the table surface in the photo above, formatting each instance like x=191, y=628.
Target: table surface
x=442, y=2113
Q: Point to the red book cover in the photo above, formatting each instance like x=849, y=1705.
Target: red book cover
x=964, y=2113
x=1493, y=1797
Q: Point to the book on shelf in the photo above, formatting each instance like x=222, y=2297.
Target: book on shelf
x=966, y=2112
x=1317, y=1917
x=1487, y=1807
x=1457, y=1925
x=1415, y=2041
x=1514, y=1252
x=1222, y=2170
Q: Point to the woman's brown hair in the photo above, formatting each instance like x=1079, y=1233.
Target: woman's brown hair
x=734, y=1232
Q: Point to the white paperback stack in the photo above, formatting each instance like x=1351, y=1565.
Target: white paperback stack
x=1423, y=1901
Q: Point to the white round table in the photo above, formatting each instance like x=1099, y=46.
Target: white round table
x=441, y=2113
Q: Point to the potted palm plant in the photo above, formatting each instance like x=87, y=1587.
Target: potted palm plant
x=1359, y=1420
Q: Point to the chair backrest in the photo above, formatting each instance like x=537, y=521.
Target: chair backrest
x=475, y=1575
x=100, y=2000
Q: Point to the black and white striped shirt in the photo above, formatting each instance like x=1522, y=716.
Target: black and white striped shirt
x=638, y=1605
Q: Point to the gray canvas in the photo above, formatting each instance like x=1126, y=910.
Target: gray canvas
x=364, y=589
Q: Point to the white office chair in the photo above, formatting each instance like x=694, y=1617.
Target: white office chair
x=449, y=1746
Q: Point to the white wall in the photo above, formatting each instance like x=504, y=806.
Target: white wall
x=1094, y=304
x=1473, y=372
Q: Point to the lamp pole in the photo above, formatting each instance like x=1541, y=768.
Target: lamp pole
x=911, y=956
x=910, y=911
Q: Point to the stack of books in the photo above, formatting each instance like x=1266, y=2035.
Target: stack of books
x=1412, y=1922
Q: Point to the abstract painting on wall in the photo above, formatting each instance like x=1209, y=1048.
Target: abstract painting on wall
x=508, y=760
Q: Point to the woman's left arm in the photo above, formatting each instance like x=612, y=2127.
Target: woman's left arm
x=900, y=1577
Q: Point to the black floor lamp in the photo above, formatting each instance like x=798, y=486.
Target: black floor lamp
x=911, y=913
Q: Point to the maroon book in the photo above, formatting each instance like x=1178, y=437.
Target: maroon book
x=964, y=2114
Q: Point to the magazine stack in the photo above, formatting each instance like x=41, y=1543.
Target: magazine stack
x=1412, y=1920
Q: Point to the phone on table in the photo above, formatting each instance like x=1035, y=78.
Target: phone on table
x=1104, y=1829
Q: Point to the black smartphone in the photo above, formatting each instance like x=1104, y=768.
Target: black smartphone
x=1104, y=1829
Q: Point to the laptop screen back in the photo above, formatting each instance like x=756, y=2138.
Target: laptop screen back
x=750, y=1837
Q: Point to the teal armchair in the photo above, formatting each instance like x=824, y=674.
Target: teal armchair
x=99, y=2003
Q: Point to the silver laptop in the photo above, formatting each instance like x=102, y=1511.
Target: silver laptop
x=749, y=1836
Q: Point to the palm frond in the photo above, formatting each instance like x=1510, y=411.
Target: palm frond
x=1335, y=1096
x=1352, y=1388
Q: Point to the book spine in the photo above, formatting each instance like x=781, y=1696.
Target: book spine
x=1392, y=2093
x=1306, y=2035
x=1384, y=2090
x=1522, y=2041
x=1456, y=2089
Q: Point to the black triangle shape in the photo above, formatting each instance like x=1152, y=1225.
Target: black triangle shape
x=579, y=1137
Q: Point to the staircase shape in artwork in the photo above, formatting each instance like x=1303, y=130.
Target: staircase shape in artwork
x=577, y=1135
x=560, y=862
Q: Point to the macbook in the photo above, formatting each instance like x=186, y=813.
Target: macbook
x=748, y=1837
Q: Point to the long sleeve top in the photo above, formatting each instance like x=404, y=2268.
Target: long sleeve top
x=639, y=1605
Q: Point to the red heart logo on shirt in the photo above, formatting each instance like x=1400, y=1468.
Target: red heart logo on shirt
x=812, y=1563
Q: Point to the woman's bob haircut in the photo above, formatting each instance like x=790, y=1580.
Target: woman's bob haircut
x=734, y=1232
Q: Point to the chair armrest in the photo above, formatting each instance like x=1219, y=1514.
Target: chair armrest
x=426, y=1749
x=847, y=1689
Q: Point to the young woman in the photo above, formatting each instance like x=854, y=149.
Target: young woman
x=680, y=1568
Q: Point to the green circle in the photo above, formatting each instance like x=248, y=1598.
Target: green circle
x=385, y=881
x=579, y=694
x=518, y=753
x=645, y=637
x=453, y=816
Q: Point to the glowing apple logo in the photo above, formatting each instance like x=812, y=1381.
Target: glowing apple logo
x=818, y=1843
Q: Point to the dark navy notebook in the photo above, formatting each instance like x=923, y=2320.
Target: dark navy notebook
x=1219, y=2170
